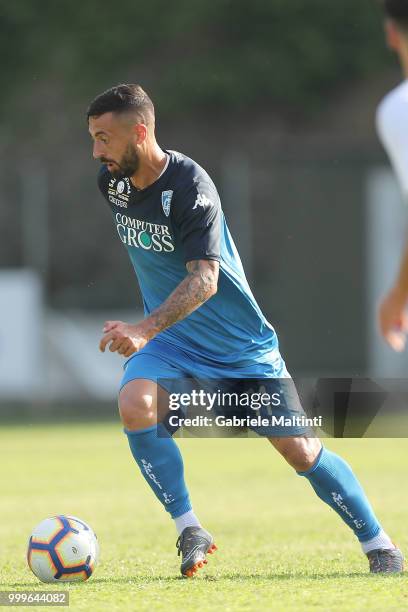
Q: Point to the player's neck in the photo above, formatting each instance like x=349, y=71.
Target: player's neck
x=151, y=166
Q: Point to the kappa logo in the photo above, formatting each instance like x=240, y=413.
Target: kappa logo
x=166, y=201
x=202, y=200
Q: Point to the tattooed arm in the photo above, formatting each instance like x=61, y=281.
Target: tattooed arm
x=196, y=288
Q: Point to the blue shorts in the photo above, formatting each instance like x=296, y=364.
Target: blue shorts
x=174, y=369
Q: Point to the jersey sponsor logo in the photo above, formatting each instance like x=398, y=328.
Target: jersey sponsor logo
x=202, y=201
x=117, y=202
x=119, y=192
x=143, y=234
x=166, y=201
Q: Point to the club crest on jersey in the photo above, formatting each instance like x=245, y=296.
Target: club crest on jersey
x=166, y=201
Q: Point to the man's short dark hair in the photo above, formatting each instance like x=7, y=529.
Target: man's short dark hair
x=123, y=98
x=397, y=10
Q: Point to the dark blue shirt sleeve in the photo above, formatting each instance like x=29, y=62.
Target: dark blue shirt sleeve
x=198, y=215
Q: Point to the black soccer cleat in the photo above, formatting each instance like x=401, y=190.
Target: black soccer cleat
x=386, y=561
x=194, y=544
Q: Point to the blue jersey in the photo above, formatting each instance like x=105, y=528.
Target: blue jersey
x=179, y=219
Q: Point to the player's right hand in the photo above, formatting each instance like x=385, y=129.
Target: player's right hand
x=123, y=338
x=393, y=319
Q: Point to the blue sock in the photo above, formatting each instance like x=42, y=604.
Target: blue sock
x=334, y=482
x=161, y=464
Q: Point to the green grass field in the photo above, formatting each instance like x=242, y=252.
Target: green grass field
x=280, y=548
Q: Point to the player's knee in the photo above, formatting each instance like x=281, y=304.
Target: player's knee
x=137, y=411
x=301, y=453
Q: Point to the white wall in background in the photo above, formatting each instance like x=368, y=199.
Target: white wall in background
x=21, y=334
x=48, y=355
x=76, y=369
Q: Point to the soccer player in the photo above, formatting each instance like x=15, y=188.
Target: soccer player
x=392, y=127
x=201, y=321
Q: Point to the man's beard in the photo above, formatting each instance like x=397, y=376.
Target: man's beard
x=128, y=165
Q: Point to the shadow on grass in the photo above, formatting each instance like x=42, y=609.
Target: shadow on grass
x=33, y=586
x=232, y=577
x=227, y=577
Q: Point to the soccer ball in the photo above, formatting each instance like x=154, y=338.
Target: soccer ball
x=63, y=549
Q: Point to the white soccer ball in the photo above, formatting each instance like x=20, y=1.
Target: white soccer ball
x=63, y=549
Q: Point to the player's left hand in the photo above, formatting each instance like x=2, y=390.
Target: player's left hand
x=123, y=338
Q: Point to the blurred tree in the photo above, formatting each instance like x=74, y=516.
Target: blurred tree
x=223, y=54
x=219, y=61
